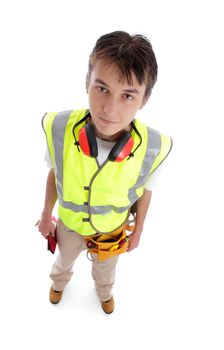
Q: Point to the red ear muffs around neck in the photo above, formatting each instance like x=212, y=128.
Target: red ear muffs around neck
x=87, y=141
x=122, y=148
x=88, y=144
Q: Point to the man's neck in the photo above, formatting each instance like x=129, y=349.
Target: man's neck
x=109, y=138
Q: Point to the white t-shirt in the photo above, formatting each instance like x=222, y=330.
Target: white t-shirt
x=104, y=148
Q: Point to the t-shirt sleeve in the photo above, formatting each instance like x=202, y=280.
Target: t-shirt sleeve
x=152, y=179
x=48, y=158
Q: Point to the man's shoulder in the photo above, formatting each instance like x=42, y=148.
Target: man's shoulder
x=146, y=128
x=63, y=117
x=152, y=130
x=66, y=113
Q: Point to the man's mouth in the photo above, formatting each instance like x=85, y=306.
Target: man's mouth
x=107, y=122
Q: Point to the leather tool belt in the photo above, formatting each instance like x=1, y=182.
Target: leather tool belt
x=106, y=246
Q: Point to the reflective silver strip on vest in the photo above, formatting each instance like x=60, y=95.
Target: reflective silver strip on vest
x=58, y=135
x=153, y=149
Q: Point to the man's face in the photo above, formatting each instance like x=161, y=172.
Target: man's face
x=113, y=103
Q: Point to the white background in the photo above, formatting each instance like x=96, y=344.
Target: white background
x=169, y=292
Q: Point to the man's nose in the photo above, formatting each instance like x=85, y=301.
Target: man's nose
x=110, y=107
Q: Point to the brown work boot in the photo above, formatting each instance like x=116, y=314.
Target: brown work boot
x=55, y=296
x=108, y=306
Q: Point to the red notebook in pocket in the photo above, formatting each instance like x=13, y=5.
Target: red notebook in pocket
x=52, y=240
x=52, y=243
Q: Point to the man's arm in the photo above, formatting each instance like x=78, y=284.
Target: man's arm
x=45, y=225
x=142, y=208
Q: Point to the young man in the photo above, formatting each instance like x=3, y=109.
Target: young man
x=102, y=159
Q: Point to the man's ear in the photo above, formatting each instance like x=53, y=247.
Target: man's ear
x=87, y=82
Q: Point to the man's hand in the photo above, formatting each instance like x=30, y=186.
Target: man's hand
x=45, y=224
x=46, y=227
x=133, y=239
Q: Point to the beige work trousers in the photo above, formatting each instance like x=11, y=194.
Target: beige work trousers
x=70, y=245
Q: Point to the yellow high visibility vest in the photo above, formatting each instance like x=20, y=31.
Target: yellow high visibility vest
x=92, y=198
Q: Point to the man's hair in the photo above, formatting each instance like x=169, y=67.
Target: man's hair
x=130, y=53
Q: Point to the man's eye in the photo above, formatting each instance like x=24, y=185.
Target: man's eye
x=128, y=97
x=102, y=89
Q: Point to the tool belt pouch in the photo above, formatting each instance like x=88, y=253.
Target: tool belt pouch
x=107, y=245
